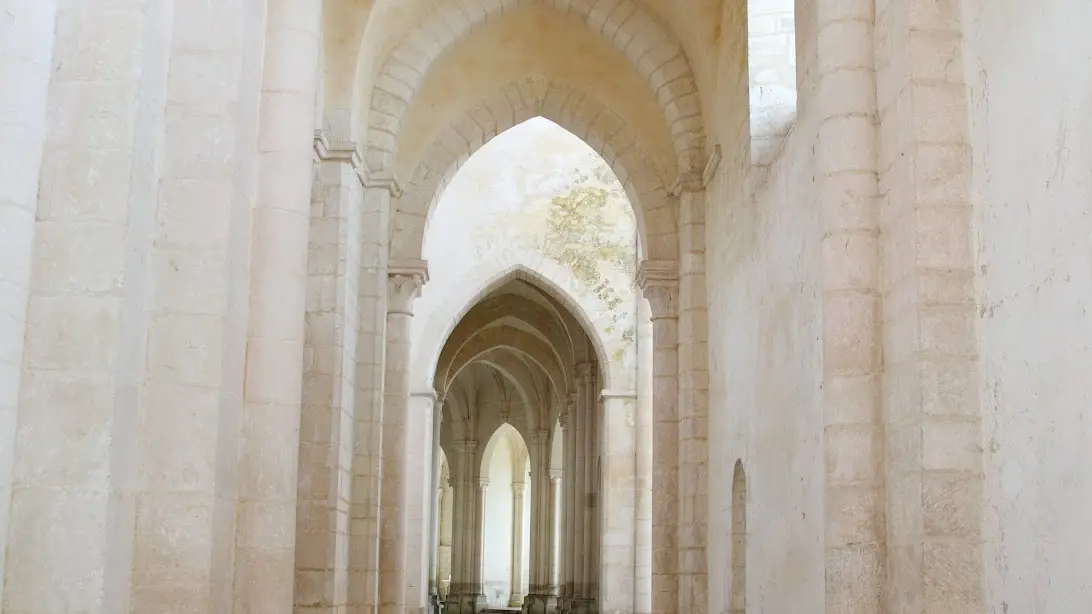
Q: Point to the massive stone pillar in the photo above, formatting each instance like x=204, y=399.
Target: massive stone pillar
x=269, y=442
x=847, y=194
x=617, y=501
x=660, y=284
x=329, y=383
x=515, y=599
x=71, y=527
x=26, y=53
x=371, y=347
x=934, y=447
x=405, y=284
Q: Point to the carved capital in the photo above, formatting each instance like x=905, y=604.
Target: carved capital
x=555, y=475
x=482, y=484
x=518, y=488
x=563, y=420
x=585, y=370
x=404, y=283
x=659, y=281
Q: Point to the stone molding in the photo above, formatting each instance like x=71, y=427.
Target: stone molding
x=336, y=151
x=404, y=283
x=659, y=281
x=695, y=182
x=617, y=394
x=466, y=446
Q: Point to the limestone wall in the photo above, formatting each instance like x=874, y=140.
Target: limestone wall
x=765, y=398
x=1031, y=97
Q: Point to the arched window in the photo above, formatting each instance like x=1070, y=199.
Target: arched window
x=737, y=599
x=771, y=67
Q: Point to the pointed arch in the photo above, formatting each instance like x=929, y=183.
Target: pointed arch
x=461, y=293
x=653, y=51
x=503, y=433
x=572, y=109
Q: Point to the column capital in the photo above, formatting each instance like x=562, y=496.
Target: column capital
x=518, y=488
x=586, y=370
x=482, y=483
x=563, y=420
x=555, y=474
x=466, y=446
x=404, y=282
x=659, y=281
x=539, y=436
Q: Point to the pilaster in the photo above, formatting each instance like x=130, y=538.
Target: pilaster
x=933, y=453
x=329, y=380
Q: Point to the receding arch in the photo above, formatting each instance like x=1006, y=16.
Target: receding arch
x=650, y=48
x=573, y=110
x=737, y=597
x=503, y=432
x=461, y=294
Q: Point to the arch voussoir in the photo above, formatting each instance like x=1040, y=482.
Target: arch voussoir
x=654, y=52
x=580, y=114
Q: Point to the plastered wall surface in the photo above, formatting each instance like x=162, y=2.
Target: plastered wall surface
x=764, y=387
x=1030, y=100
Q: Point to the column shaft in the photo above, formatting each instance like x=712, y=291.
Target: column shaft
x=72, y=507
x=26, y=53
x=329, y=383
x=590, y=487
x=478, y=567
x=516, y=598
x=371, y=349
x=933, y=454
x=555, y=528
x=435, y=517
x=642, y=540
x=659, y=280
x=568, y=501
x=693, y=404
x=405, y=286
x=269, y=445
x=580, y=554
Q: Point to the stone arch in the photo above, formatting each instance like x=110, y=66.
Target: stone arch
x=639, y=36
x=514, y=339
x=461, y=293
x=737, y=596
x=503, y=432
x=569, y=107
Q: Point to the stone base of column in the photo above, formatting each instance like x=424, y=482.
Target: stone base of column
x=466, y=603
x=516, y=600
x=435, y=605
x=540, y=604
